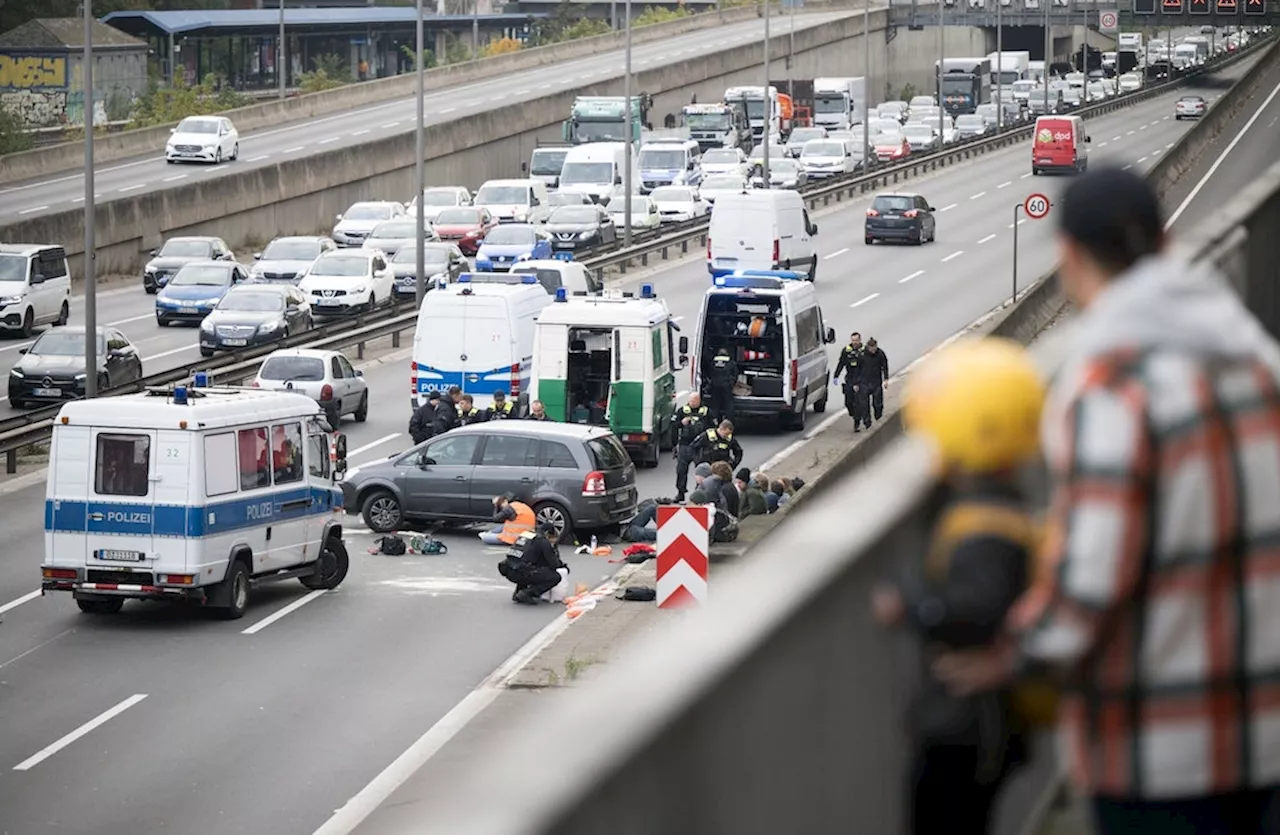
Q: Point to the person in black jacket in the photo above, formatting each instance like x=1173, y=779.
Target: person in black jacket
x=468, y=413
x=446, y=415
x=533, y=563
x=422, y=425
x=722, y=373
x=718, y=445
x=851, y=364
x=690, y=422
x=872, y=378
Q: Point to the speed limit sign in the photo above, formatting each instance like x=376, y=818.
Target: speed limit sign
x=1108, y=21
x=1036, y=206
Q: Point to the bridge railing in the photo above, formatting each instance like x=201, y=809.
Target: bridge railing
x=779, y=706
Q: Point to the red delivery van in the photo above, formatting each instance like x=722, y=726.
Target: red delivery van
x=1058, y=144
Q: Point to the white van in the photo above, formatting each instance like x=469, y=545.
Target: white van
x=510, y=201
x=192, y=494
x=773, y=326
x=669, y=161
x=35, y=286
x=762, y=229
x=477, y=334
x=555, y=273
x=595, y=169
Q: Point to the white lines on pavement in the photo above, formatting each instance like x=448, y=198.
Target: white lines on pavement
x=33, y=209
x=327, y=140
x=1117, y=138
x=81, y=199
x=1100, y=145
x=523, y=92
x=1157, y=121
x=955, y=254
x=1144, y=159
x=286, y=610
x=216, y=168
x=175, y=177
x=366, y=130
x=837, y=252
x=1131, y=133
x=292, y=150
x=369, y=446
x=1126, y=168
x=1025, y=176
x=544, y=86
x=1157, y=152
x=915, y=274
x=861, y=302
x=134, y=187
x=979, y=194
x=1167, y=147
x=1005, y=184
x=947, y=208
x=26, y=598
x=169, y=353
x=389, y=125
x=1024, y=220
x=99, y=720
x=987, y=238
x=259, y=158
x=1140, y=127
x=120, y=322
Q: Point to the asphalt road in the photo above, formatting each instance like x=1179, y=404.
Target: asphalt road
x=356, y=127
x=272, y=731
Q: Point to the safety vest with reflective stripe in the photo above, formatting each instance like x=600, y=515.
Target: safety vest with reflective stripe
x=523, y=523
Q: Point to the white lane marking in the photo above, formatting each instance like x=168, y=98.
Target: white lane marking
x=282, y=612
x=448, y=110
x=947, y=208
x=1140, y=127
x=974, y=197
x=663, y=58
x=389, y=125
x=1126, y=168
x=1144, y=159
x=34, y=209
x=216, y=168
x=169, y=353
x=120, y=322
x=379, y=442
x=1217, y=163
x=955, y=254
x=1157, y=121
x=523, y=92
x=837, y=252
x=544, y=86
x=1005, y=184
x=1167, y=147
x=1100, y=145
x=1115, y=138
x=366, y=130
x=1131, y=133
x=915, y=274
x=326, y=141
x=1025, y=176
x=292, y=150
x=1024, y=220
x=175, y=177
x=1157, y=152
x=259, y=158
x=26, y=598
x=99, y=720
x=861, y=302
x=987, y=238
x=134, y=187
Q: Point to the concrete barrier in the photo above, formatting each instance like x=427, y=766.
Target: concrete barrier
x=112, y=147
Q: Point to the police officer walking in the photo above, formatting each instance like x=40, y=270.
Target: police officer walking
x=692, y=421
x=718, y=445
x=874, y=377
x=851, y=364
x=721, y=376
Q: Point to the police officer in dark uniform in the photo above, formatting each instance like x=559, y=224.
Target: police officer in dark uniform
x=502, y=408
x=718, y=445
x=875, y=376
x=423, y=423
x=691, y=422
x=721, y=375
x=851, y=364
x=468, y=413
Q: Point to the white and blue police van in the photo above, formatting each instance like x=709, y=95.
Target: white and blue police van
x=194, y=494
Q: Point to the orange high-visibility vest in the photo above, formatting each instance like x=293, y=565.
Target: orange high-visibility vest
x=523, y=523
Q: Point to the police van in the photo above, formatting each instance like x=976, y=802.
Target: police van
x=192, y=494
x=608, y=360
x=772, y=325
x=477, y=334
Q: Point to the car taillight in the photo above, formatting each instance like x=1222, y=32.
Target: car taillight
x=413, y=378
x=515, y=379
x=777, y=253
x=795, y=375
x=872, y=213
x=911, y=213
x=254, y=384
x=326, y=393
x=58, y=573
x=593, y=484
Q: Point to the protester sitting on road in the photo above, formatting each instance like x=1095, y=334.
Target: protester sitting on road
x=643, y=527
x=533, y=563
x=729, y=498
x=714, y=485
x=751, y=495
x=700, y=475
x=724, y=528
x=516, y=518
x=780, y=491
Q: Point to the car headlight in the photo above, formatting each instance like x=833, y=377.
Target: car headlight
x=268, y=327
x=360, y=288
x=521, y=212
x=10, y=299
x=15, y=372
x=206, y=326
x=80, y=378
x=590, y=233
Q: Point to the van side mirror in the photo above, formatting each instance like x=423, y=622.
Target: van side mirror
x=682, y=362
x=257, y=256
x=813, y=228
x=340, y=448
x=1088, y=139
x=23, y=350
x=337, y=217
x=154, y=252
x=683, y=345
x=830, y=336
x=524, y=168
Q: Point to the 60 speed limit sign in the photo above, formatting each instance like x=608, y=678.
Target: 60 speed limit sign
x=1108, y=21
x=1036, y=206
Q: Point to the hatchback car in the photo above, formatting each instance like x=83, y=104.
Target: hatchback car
x=177, y=253
x=900, y=217
x=677, y=204
x=575, y=477
x=723, y=161
x=355, y=224
x=438, y=198
x=391, y=235
x=580, y=227
x=254, y=314
x=347, y=282
x=465, y=227
x=511, y=243
x=713, y=187
x=286, y=258
x=327, y=377
x=825, y=158
x=784, y=173
x=799, y=136
x=441, y=261
x=52, y=368
x=892, y=147
x=1189, y=107
x=896, y=110
x=192, y=294
x=203, y=139
x=644, y=212
x=921, y=137
x=971, y=125
x=539, y=214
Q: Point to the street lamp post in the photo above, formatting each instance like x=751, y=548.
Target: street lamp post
x=1048, y=53
x=420, y=167
x=942, y=60
x=90, y=246
x=768, y=102
x=866, y=85
x=631, y=128
x=280, y=54
x=999, y=66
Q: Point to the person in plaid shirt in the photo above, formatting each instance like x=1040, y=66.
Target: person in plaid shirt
x=1162, y=609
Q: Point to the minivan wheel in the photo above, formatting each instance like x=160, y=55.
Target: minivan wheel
x=381, y=512
x=799, y=417
x=28, y=323
x=63, y=315
x=555, y=515
x=331, y=568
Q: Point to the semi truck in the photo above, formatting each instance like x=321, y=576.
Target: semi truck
x=963, y=84
x=761, y=106
x=717, y=126
x=604, y=119
x=1008, y=67
x=800, y=93
x=839, y=103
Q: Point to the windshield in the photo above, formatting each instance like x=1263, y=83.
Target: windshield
x=13, y=267
x=502, y=195
x=822, y=148
x=547, y=162
x=587, y=173
x=893, y=131
x=601, y=131
x=209, y=126
x=1006, y=77
x=1023, y=86
x=891, y=108
x=292, y=368
x=439, y=198
x=367, y=212
x=665, y=160
x=708, y=121
x=63, y=344
x=573, y=214
x=291, y=251
x=461, y=217
x=918, y=132
x=893, y=204
x=342, y=266
x=672, y=194
x=799, y=136
x=784, y=166
x=755, y=110
x=720, y=156
x=618, y=205
x=970, y=122
x=187, y=249
x=957, y=86
x=510, y=236
x=394, y=229
x=430, y=255
x=889, y=139
x=257, y=302
x=210, y=276
x=830, y=104
x=723, y=182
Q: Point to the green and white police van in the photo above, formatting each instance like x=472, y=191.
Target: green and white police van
x=609, y=361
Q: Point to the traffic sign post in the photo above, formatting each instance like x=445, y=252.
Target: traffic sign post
x=1037, y=207
x=1108, y=22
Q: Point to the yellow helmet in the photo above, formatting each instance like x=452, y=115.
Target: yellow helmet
x=979, y=401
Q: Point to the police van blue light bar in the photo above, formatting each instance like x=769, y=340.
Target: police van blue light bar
x=201, y=380
x=646, y=292
x=562, y=295
x=563, y=255
x=180, y=395
x=790, y=275
x=497, y=278
x=750, y=282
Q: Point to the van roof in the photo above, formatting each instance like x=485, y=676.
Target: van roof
x=603, y=310
x=206, y=408
x=514, y=182
x=26, y=249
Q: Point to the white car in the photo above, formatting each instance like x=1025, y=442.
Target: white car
x=390, y=236
x=355, y=224
x=677, y=204
x=895, y=110
x=438, y=198
x=921, y=137
x=345, y=282
x=922, y=102
x=644, y=212
x=826, y=158
x=325, y=376
x=286, y=258
x=1130, y=82
x=714, y=186
x=724, y=161
x=203, y=139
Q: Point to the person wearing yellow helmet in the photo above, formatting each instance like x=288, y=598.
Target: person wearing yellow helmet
x=978, y=402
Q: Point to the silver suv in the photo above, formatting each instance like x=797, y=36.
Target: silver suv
x=325, y=376
x=578, y=478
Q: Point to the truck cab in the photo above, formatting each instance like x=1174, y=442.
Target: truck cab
x=716, y=126
x=604, y=119
x=761, y=105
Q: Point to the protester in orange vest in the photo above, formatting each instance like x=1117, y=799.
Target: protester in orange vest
x=516, y=518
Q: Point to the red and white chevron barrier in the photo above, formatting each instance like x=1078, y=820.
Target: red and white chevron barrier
x=684, y=541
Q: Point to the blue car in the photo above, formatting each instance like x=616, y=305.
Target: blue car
x=510, y=244
x=195, y=290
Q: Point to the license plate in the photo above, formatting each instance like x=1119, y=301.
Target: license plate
x=48, y=392
x=728, y=262
x=235, y=342
x=328, y=302
x=119, y=556
x=188, y=310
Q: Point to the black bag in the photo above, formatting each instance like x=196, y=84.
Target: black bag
x=392, y=546
x=638, y=594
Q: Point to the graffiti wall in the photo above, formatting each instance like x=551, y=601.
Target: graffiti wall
x=48, y=90
x=34, y=87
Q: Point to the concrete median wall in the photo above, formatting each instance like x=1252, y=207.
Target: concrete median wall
x=302, y=195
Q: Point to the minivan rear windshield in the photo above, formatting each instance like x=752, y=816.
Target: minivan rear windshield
x=607, y=453
x=292, y=368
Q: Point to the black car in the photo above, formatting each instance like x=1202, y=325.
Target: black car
x=252, y=314
x=176, y=254
x=900, y=217
x=580, y=227
x=441, y=260
x=52, y=369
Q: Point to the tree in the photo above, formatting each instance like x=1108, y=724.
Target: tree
x=13, y=137
x=502, y=46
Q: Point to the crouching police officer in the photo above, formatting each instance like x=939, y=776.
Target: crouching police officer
x=691, y=422
x=718, y=445
x=533, y=564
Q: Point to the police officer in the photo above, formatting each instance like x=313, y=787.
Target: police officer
x=691, y=423
x=423, y=423
x=468, y=413
x=502, y=408
x=718, y=445
x=874, y=378
x=851, y=364
x=721, y=376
